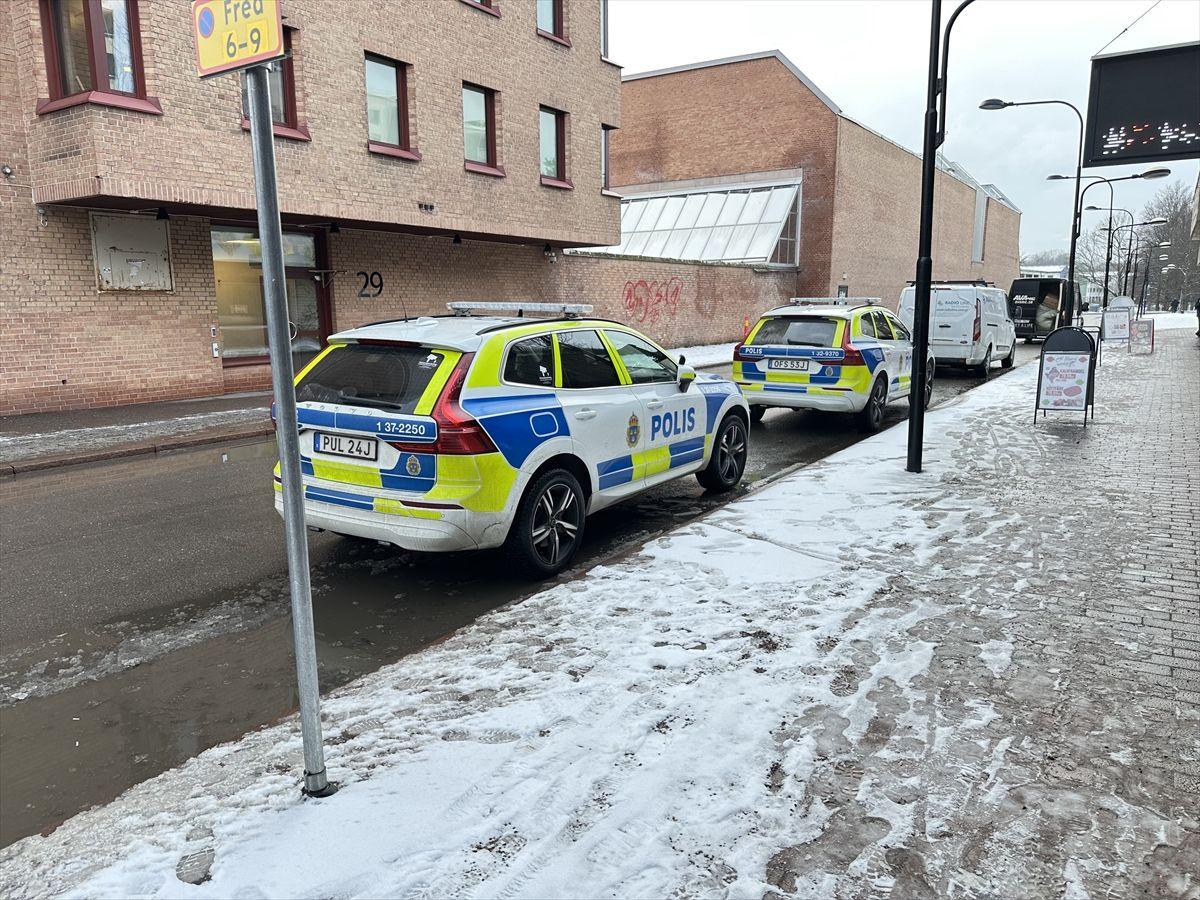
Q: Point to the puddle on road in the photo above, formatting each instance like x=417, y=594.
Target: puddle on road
x=72, y=748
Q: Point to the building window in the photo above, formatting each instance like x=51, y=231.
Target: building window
x=553, y=147
x=93, y=54
x=387, y=107
x=479, y=130
x=550, y=21
x=604, y=29
x=605, y=131
x=789, y=238
x=487, y=6
x=281, y=76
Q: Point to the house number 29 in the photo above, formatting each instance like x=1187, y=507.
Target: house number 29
x=372, y=284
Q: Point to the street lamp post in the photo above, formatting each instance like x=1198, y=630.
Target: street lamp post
x=1148, y=174
x=934, y=135
x=995, y=104
x=1110, y=232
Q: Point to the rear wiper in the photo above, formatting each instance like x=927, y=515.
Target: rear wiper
x=368, y=401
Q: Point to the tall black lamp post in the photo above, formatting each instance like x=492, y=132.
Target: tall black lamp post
x=934, y=135
x=994, y=104
x=1110, y=231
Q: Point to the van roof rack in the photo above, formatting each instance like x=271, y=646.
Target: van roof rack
x=833, y=301
x=976, y=281
x=520, y=307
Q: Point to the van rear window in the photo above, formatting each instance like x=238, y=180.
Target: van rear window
x=796, y=331
x=391, y=378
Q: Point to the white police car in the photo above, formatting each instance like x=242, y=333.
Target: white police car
x=465, y=431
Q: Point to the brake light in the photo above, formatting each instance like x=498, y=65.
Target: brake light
x=853, y=356
x=978, y=327
x=459, y=433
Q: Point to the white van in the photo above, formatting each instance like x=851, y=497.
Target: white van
x=969, y=324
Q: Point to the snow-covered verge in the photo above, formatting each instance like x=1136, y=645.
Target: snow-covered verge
x=1165, y=321
x=823, y=689
x=706, y=354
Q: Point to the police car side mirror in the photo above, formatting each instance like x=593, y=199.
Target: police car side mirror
x=685, y=375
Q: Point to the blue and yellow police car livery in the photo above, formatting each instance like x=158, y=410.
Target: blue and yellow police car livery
x=468, y=431
x=842, y=355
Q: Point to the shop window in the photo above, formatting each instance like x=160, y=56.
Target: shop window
x=553, y=147
x=241, y=309
x=479, y=130
x=93, y=54
x=550, y=21
x=387, y=108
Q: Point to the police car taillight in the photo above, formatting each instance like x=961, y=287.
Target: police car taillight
x=458, y=433
x=852, y=355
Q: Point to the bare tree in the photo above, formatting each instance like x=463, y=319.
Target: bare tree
x=1173, y=202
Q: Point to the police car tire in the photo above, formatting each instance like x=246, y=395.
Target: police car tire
x=713, y=477
x=520, y=545
x=867, y=421
x=757, y=413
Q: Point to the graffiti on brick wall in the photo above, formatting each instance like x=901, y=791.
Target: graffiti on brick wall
x=648, y=302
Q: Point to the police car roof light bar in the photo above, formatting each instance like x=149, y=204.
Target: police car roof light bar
x=567, y=310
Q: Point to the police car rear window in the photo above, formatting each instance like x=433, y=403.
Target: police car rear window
x=806, y=331
x=391, y=378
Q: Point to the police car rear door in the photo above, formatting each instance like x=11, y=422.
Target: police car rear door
x=674, y=424
x=604, y=415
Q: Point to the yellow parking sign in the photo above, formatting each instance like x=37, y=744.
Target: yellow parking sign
x=233, y=34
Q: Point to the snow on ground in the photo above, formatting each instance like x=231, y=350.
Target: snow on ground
x=19, y=446
x=1165, y=320
x=706, y=354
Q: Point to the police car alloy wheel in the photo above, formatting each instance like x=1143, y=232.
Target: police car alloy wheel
x=871, y=417
x=549, y=524
x=929, y=369
x=728, y=460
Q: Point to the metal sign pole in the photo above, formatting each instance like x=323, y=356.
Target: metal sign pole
x=270, y=233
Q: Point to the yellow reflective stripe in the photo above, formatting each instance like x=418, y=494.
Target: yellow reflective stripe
x=485, y=368
x=754, y=330
x=651, y=462
x=279, y=487
x=316, y=359
x=557, y=361
x=480, y=483
x=433, y=390
x=622, y=372
x=347, y=473
x=396, y=508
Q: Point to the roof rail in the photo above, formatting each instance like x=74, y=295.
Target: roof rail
x=566, y=310
x=833, y=301
x=404, y=319
x=976, y=281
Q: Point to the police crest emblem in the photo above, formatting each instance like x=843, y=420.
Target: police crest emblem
x=633, y=432
x=412, y=465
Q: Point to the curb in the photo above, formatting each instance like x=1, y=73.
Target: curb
x=25, y=466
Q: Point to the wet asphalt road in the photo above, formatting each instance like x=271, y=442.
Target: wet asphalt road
x=145, y=608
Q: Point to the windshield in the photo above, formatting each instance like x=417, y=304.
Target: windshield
x=796, y=331
x=392, y=378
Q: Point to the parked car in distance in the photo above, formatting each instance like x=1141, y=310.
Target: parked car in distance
x=969, y=324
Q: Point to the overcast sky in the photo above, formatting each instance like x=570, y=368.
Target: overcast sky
x=870, y=57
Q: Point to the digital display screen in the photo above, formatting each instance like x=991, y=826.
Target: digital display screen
x=1144, y=107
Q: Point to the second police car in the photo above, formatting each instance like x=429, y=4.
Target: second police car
x=465, y=431
x=842, y=355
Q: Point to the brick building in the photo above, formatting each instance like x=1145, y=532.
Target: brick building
x=857, y=194
x=413, y=169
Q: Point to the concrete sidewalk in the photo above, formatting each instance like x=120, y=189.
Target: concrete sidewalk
x=980, y=681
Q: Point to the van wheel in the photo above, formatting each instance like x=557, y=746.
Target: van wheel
x=548, y=527
x=985, y=367
x=1007, y=362
x=757, y=413
x=728, y=459
x=871, y=417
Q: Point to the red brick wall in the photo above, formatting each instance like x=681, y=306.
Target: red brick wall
x=752, y=116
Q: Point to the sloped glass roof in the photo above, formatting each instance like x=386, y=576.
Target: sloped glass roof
x=716, y=225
